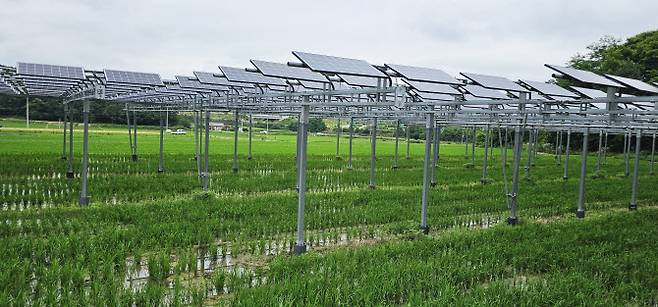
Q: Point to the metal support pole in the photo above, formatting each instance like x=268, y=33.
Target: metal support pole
x=338, y=139
x=130, y=130
x=474, y=139
x=27, y=111
x=598, y=159
x=300, y=244
x=406, y=128
x=197, y=149
x=512, y=219
x=251, y=128
x=236, y=128
x=435, y=154
x=66, y=111
x=134, y=155
x=580, y=212
x=349, y=158
x=627, y=149
x=530, y=142
x=373, y=153
x=653, y=151
x=69, y=171
x=605, y=148
x=466, y=147
x=426, y=172
x=161, y=161
x=84, y=198
x=397, y=141
x=559, y=148
x=483, y=180
x=636, y=170
x=206, y=174
x=566, y=157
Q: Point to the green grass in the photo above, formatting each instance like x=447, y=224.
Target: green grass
x=364, y=245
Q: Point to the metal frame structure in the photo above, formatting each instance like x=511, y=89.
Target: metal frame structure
x=331, y=87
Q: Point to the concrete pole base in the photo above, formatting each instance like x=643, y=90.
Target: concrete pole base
x=299, y=249
x=424, y=229
x=70, y=175
x=565, y=178
x=395, y=167
x=372, y=186
x=580, y=214
x=632, y=207
x=84, y=201
x=483, y=181
x=160, y=171
x=338, y=158
x=512, y=221
x=432, y=184
x=249, y=158
x=133, y=157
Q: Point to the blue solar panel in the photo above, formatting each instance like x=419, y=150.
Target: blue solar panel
x=288, y=72
x=549, y=89
x=635, y=84
x=54, y=71
x=338, y=65
x=359, y=80
x=241, y=75
x=423, y=74
x=584, y=76
x=210, y=78
x=482, y=92
x=590, y=93
x=120, y=76
x=494, y=82
x=432, y=87
x=189, y=82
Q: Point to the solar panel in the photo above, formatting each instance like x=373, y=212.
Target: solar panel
x=494, y=82
x=189, y=82
x=423, y=74
x=241, y=75
x=313, y=85
x=549, y=89
x=289, y=72
x=482, y=92
x=634, y=83
x=359, y=80
x=331, y=64
x=561, y=98
x=210, y=78
x=432, y=87
x=120, y=76
x=435, y=96
x=55, y=71
x=589, y=92
x=584, y=76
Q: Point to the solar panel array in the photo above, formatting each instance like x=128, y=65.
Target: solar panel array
x=359, y=80
x=584, y=76
x=425, y=96
x=5, y=88
x=141, y=78
x=635, y=84
x=240, y=75
x=589, y=92
x=211, y=78
x=284, y=71
x=54, y=71
x=432, y=87
x=548, y=89
x=423, y=74
x=338, y=65
x=193, y=83
x=482, y=92
x=495, y=82
x=313, y=85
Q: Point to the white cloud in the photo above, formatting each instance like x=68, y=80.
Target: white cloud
x=509, y=38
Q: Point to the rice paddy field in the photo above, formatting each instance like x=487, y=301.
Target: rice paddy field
x=150, y=239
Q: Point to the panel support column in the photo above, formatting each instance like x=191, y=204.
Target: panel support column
x=397, y=142
x=161, y=160
x=66, y=111
x=373, y=153
x=567, y=155
x=69, y=173
x=338, y=131
x=408, y=136
x=300, y=244
x=84, y=198
x=429, y=127
x=236, y=129
x=134, y=155
x=483, y=180
x=580, y=212
x=512, y=219
x=435, y=154
x=627, y=149
x=636, y=171
x=206, y=174
x=349, y=157
x=600, y=153
x=653, y=152
x=251, y=128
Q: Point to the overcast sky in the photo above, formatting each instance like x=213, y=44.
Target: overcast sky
x=508, y=38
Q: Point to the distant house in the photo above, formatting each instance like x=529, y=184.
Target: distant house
x=217, y=126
